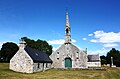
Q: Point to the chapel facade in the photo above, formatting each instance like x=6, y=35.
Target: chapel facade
x=69, y=55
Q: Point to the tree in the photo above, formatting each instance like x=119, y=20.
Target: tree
x=103, y=60
x=116, y=57
x=8, y=50
x=40, y=45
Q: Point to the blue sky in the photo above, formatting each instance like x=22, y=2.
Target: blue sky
x=95, y=24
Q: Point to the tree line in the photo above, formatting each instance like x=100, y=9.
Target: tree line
x=115, y=54
x=9, y=49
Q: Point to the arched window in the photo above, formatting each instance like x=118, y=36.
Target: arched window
x=57, y=55
x=77, y=55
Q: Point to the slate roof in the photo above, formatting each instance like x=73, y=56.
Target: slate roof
x=93, y=58
x=38, y=56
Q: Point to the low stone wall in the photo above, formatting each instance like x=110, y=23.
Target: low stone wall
x=41, y=67
x=82, y=68
x=93, y=64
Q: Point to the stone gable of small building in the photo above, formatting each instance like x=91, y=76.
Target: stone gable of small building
x=21, y=62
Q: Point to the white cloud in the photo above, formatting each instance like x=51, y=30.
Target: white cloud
x=93, y=40
x=84, y=39
x=73, y=40
x=60, y=41
x=90, y=34
x=1, y=43
x=102, y=51
x=54, y=49
x=110, y=45
x=108, y=39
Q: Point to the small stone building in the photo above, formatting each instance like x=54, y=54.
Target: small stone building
x=94, y=60
x=28, y=60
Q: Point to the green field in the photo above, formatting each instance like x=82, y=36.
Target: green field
x=110, y=73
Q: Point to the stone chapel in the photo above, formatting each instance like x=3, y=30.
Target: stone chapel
x=68, y=55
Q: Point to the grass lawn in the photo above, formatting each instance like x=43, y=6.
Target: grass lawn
x=110, y=73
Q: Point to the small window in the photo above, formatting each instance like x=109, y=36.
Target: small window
x=46, y=65
x=57, y=58
x=36, y=54
x=38, y=65
x=57, y=52
x=77, y=55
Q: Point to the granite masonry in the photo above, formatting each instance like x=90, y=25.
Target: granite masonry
x=28, y=60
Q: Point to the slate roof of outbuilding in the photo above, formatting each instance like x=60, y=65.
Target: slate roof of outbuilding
x=93, y=58
x=38, y=56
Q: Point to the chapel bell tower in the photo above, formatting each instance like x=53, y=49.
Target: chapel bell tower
x=67, y=30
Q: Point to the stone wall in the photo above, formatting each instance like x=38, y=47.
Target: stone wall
x=78, y=57
x=41, y=66
x=21, y=62
x=94, y=64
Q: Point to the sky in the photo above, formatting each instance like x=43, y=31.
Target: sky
x=95, y=24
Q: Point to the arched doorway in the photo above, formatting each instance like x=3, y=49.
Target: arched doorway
x=68, y=63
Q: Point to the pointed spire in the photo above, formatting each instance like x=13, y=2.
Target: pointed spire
x=67, y=28
x=67, y=19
